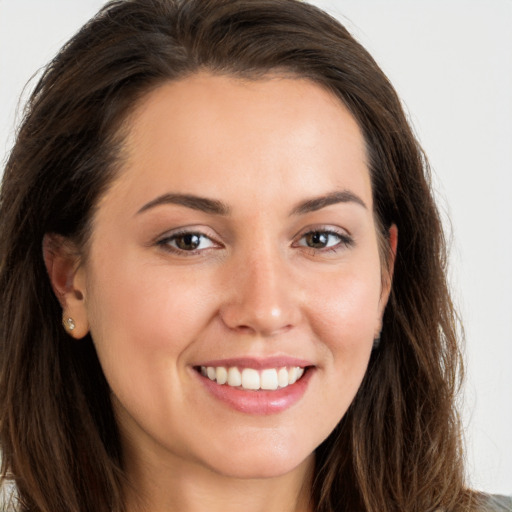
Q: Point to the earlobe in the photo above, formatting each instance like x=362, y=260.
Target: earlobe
x=62, y=261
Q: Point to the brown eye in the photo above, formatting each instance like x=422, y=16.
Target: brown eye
x=324, y=240
x=187, y=241
x=317, y=239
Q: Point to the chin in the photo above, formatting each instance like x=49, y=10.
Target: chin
x=271, y=463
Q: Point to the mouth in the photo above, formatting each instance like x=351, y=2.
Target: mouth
x=256, y=386
x=253, y=379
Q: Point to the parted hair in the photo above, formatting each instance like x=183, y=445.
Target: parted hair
x=398, y=448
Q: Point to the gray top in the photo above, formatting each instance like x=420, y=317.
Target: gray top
x=498, y=504
x=493, y=503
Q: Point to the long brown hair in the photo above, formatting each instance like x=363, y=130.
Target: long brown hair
x=398, y=447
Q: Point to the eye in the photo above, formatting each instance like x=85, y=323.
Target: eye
x=324, y=239
x=187, y=241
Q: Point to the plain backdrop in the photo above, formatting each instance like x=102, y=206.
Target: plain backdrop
x=451, y=63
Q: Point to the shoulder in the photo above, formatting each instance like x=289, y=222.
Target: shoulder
x=495, y=503
x=7, y=496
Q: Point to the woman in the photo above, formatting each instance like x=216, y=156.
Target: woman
x=222, y=275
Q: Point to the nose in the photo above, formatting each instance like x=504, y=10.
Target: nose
x=262, y=298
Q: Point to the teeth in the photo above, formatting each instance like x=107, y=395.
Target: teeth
x=252, y=379
x=269, y=379
x=234, y=377
x=282, y=377
x=221, y=375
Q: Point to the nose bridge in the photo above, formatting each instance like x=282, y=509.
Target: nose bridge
x=261, y=300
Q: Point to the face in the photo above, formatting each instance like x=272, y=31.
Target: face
x=233, y=282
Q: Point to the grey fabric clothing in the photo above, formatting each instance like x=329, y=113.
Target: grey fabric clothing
x=491, y=503
x=497, y=504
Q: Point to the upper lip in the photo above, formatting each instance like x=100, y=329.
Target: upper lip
x=258, y=363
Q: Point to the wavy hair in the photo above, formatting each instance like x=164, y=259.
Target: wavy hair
x=398, y=448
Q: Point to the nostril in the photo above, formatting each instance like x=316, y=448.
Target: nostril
x=243, y=328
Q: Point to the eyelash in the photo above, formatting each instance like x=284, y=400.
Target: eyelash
x=344, y=241
x=165, y=242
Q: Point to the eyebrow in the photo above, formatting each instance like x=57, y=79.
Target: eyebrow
x=216, y=207
x=202, y=204
x=317, y=203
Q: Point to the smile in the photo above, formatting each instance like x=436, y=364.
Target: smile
x=268, y=379
x=257, y=386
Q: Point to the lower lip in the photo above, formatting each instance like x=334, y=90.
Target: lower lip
x=258, y=402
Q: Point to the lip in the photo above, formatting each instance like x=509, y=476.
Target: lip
x=259, y=402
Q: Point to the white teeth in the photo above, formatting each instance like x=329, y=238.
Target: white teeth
x=249, y=378
x=269, y=379
x=222, y=375
x=234, y=377
x=282, y=377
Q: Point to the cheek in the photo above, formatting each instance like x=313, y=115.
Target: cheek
x=143, y=326
x=345, y=316
x=345, y=310
x=142, y=318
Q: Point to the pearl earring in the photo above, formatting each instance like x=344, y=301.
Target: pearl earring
x=68, y=323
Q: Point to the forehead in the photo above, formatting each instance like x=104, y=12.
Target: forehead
x=200, y=133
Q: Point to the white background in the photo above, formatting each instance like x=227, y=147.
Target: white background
x=451, y=62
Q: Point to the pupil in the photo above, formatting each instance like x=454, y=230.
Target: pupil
x=188, y=242
x=317, y=240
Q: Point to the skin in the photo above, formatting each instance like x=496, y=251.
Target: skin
x=254, y=287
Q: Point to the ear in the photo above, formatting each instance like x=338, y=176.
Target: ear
x=67, y=277
x=392, y=246
x=388, y=268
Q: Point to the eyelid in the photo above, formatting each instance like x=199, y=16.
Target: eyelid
x=346, y=240
x=163, y=240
